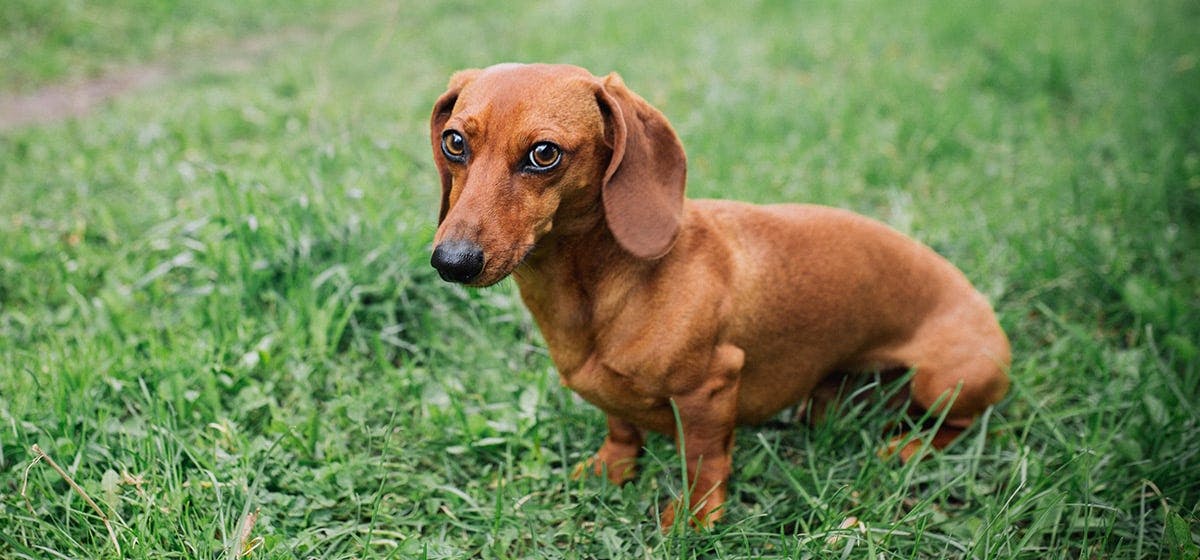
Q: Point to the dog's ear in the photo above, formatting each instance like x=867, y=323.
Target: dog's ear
x=441, y=113
x=643, y=185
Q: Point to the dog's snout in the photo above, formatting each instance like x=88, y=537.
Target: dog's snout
x=458, y=260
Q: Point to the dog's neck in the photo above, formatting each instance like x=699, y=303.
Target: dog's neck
x=561, y=282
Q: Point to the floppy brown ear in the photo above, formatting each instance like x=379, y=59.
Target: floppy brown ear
x=643, y=185
x=442, y=110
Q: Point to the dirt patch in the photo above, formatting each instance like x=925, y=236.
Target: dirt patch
x=76, y=98
x=62, y=101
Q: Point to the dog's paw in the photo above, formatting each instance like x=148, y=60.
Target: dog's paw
x=904, y=447
x=702, y=515
x=617, y=470
x=908, y=448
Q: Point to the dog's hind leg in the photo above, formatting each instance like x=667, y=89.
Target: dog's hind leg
x=961, y=361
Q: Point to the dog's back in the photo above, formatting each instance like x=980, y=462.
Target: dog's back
x=817, y=290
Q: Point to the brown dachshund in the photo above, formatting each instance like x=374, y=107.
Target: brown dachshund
x=649, y=303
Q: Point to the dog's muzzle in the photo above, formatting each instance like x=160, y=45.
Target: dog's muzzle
x=458, y=260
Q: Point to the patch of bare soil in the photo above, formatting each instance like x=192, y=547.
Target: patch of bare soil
x=76, y=98
x=62, y=101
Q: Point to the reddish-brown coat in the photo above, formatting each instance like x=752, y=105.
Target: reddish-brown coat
x=732, y=311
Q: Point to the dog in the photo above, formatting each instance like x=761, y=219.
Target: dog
x=653, y=305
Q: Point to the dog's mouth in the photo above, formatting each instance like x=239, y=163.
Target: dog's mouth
x=525, y=252
x=499, y=267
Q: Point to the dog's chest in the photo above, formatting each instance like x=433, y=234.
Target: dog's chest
x=614, y=392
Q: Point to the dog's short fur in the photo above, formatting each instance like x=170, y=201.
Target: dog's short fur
x=729, y=310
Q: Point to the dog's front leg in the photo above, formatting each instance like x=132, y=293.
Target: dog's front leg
x=618, y=456
x=707, y=447
x=707, y=417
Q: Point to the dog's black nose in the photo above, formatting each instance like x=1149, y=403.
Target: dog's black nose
x=458, y=260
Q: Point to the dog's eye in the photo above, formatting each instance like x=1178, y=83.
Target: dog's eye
x=544, y=156
x=454, y=145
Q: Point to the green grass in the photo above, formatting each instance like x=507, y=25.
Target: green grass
x=46, y=40
x=215, y=299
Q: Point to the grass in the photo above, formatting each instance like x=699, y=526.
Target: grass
x=217, y=316
x=57, y=40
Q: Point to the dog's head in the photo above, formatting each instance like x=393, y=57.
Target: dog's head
x=521, y=146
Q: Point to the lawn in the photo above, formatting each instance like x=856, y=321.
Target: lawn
x=218, y=322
